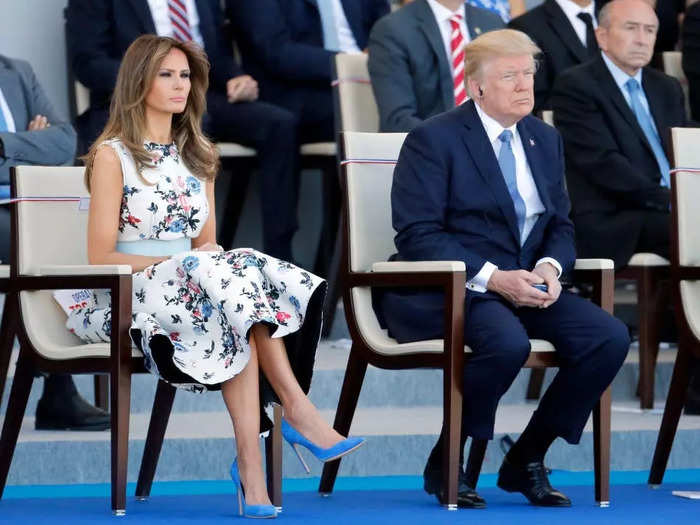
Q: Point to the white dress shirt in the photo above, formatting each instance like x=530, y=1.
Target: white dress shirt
x=442, y=17
x=526, y=187
x=7, y=114
x=571, y=10
x=161, y=19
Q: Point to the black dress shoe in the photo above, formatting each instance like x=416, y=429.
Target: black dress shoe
x=532, y=481
x=467, y=497
x=69, y=412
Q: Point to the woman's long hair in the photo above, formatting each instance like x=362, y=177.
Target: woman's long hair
x=127, y=112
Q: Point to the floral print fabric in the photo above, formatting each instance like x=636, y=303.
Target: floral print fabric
x=192, y=313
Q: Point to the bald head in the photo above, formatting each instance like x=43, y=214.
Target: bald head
x=627, y=33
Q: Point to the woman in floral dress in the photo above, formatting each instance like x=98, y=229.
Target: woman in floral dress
x=204, y=318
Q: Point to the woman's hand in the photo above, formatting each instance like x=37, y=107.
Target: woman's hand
x=209, y=247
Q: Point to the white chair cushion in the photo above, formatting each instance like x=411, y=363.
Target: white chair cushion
x=690, y=297
x=648, y=259
x=323, y=149
x=4, y=271
x=231, y=149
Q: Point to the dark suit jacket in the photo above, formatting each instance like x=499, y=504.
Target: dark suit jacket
x=691, y=57
x=281, y=43
x=99, y=32
x=26, y=99
x=561, y=48
x=450, y=202
x=610, y=166
x=411, y=77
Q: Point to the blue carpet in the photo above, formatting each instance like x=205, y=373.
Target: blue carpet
x=631, y=504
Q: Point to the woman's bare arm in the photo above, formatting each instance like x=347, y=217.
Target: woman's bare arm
x=103, y=221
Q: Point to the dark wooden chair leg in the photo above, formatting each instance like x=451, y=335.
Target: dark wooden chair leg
x=534, y=387
x=160, y=414
x=352, y=384
x=273, y=459
x=101, y=382
x=19, y=395
x=647, y=299
x=477, y=452
x=8, y=329
x=672, y=413
x=601, y=448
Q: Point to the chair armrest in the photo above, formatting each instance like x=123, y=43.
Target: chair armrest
x=594, y=264
x=85, y=269
x=419, y=266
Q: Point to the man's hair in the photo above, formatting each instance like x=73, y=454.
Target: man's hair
x=604, y=14
x=494, y=44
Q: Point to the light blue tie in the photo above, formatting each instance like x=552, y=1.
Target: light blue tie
x=645, y=122
x=506, y=160
x=330, y=33
x=3, y=122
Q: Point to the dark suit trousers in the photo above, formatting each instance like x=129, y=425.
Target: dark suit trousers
x=4, y=235
x=591, y=346
x=271, y=130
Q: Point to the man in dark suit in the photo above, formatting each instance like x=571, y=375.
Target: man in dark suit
x=414, y=74
x=99, y=32
x=564, y=31
x=32, y=132
x=691, y=57
x=614, y=113
x=288, y=45
x=483, y=183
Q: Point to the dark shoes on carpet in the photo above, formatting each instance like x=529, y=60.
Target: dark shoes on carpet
x=532, y=481
x=69, y=412
x=467, y=497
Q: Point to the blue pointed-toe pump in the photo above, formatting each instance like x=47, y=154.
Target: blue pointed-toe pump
x=249, y=511
x=295, y=439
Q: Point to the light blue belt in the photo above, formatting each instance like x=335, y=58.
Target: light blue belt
x=154, y=247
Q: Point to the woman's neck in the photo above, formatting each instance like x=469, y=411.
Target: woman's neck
x=158, y=127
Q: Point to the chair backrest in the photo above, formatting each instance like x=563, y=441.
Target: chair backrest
x=673, y=66
x=548, y=116
x=82, y=98
x=357, y=105
x=369, y=167
x=686, y=154
x=50, y=230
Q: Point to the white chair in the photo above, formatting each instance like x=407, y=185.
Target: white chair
x=50, y=254
x=685, y=279
x=548, y=116
x=368, y=236
x=673, y=66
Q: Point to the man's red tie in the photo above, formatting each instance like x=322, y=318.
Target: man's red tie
x=457, y=48
x=178, y=19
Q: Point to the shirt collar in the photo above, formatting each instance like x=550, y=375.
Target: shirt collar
x=443, y=14
x=571, y=9
x=620, y=76
x=492, y=127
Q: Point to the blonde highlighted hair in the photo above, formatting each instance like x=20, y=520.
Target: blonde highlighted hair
x=127, y=112
x=494, y=44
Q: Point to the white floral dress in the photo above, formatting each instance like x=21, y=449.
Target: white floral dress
x=193, y=312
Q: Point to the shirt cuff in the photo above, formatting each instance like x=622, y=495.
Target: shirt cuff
x=551, y=261
x=480, y=280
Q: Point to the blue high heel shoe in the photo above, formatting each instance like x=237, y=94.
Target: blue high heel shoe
x=249, y=511
x=295, y=439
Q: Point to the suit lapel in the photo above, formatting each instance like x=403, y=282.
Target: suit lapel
x=477, y=142
x=351, y=8
x=471, y=18
x=428, y=26
x=608, y=85
x=535, y=159
x=559, y=24
x=143, y=14
x=12, y=91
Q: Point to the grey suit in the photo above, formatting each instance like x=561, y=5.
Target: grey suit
x=411, y=77
x=51, y=146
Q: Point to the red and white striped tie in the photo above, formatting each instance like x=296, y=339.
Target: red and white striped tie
x=179, y=20
x=457, y=48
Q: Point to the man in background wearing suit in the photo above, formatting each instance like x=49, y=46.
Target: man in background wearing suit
x=288, y=45
x=414, y=71
x=614, y=113
x=32, y=132
x=100, y=31
x=484, y=184
x=565, y=32
x=691, y=57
